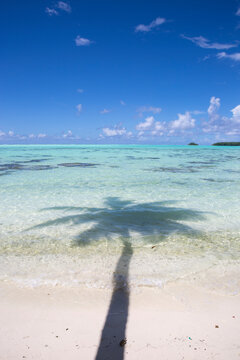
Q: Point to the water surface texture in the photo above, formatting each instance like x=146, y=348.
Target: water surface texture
x=67, y=212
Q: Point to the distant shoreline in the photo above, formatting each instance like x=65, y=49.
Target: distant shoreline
x=227, y=144
x=125, y=145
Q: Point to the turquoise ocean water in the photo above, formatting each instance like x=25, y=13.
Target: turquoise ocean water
x=67, y=211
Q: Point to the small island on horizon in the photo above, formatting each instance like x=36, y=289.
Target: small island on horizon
x=227, y=143
x=223, y=143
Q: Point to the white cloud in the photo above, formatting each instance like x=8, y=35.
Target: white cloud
x=80, y=41
x=233, y=132
x=184, y=122
x=8, y=134
x=206, y=44
x=116, y=131
x=235, y=56
x=60, y=5
x=146, y=28
x=206, y=57
x=51, y=12
x=79, y=108
x=68, y=134
x=80, y=91
x=11, y=134
x=222, y=124
x=213, y=108
x=113, y=132
x=159, y=128
x=236, y=114
x=64, y=6
x=151, y=109
x=151, y=127
x=40, y=136
x=238, y=12
x=122, y=103
x=105, y=111
x=146, y=125
x=31, y=136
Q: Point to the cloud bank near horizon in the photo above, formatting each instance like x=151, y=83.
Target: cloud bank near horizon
x=208, y=125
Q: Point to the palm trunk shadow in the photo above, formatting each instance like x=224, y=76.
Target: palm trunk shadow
x=114, y=329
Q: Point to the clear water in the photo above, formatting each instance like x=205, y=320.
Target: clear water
x=178, y=208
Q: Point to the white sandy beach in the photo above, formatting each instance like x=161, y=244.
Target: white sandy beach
x=178, y=322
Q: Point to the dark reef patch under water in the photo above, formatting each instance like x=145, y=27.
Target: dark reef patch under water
x=217, y=180
x=76, y=164
x=20, y=166
x=25, y=165
x=172, y=169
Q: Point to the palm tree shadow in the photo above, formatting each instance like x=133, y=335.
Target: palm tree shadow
x=118, y=217
x=114, y=329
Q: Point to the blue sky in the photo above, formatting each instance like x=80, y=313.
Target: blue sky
x=120, y=71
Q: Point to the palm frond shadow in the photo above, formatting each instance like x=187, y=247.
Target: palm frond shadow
x=121, y=218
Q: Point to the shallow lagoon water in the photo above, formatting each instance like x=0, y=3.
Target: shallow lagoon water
x=67, y=211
